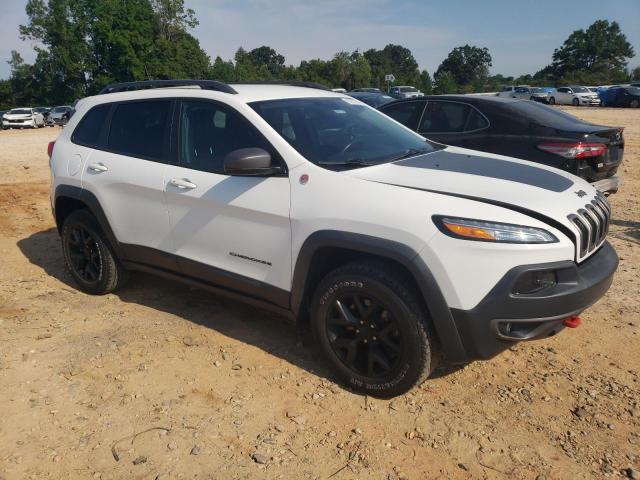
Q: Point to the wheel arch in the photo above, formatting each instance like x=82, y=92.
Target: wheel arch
x=325, y=250
x=68, y=199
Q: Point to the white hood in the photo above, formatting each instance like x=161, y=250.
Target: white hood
x=516, y=184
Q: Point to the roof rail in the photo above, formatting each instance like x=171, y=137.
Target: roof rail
x=146, y=84
x=291, y=83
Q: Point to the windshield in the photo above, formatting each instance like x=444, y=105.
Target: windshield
x=340, y=133
x=59, y=110
x=20, y=111
x=543, y=115
x=633, y=90
x=580, y=90
x=538, y=90
x=408, y=89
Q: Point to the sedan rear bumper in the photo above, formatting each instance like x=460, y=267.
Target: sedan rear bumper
x=607, y=185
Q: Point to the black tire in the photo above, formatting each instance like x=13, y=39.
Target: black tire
x=575, y=102
x=552, y=101
x=634, y=103
x=398, y=353
x=89, y=257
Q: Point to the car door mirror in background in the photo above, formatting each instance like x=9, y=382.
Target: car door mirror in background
x=250, y=162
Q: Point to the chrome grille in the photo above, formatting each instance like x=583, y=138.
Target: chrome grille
x=592, y=223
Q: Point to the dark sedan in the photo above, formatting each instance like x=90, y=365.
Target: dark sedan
x=621, y=97
x=372, y=99
x=517, y=128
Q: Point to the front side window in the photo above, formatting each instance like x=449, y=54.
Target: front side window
x=339, y=133
x=209, y=131
x=406, y=113
x=139, y=129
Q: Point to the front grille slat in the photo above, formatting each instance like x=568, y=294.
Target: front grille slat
x=592, y=225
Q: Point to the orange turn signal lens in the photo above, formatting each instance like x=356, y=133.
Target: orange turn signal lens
x=469, y=232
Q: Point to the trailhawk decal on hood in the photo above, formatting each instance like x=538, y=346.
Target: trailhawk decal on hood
x=491, y=167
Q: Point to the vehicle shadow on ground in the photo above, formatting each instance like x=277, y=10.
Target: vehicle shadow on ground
x=630, y=230
x=263, y=329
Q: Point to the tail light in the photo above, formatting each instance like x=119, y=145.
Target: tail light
x=574, y=150
x=50, y=148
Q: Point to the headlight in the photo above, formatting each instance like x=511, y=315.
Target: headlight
x=483, y=231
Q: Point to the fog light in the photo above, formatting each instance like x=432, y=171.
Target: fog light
x=534, y=281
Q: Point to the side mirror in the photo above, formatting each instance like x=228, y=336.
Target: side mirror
x=250, y=162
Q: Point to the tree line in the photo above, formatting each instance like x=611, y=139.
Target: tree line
x=83, y=45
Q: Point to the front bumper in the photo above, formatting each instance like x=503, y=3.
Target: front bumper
x=18, y=124
x=503, y=317
x=607, y=185
x=590, y=101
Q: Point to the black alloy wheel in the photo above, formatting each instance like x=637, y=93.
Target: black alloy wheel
x=84, y=254
x=364, y=334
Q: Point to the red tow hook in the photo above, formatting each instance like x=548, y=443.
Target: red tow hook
x=572, y=322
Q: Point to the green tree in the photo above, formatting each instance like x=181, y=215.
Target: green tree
x=426, y=84
x=601, y=46
x=467, y=64
x=268, y=57
x=223, y=71
x=6, y=95
x=445, y=83
x=392, y=59
x=635, y=74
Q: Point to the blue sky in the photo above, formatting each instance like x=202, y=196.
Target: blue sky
x=521, y=36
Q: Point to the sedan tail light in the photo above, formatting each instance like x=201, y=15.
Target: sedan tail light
x=574, y=150
x=50, y=148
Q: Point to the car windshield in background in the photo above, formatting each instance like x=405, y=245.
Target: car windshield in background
x=20, y=111
x=580, y=90
x=340, y=133
x=408, y=89
x=633, y=90
x=59, y=110
x=538, y=90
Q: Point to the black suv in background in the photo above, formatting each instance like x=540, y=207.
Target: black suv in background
x=517, y=128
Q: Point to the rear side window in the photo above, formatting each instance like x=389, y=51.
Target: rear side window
x=476, y=121
x=444, y=117
x=139, y=129
x=406, y=113
x=88, y=131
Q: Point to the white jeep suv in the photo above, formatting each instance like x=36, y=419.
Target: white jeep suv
x=398, y=252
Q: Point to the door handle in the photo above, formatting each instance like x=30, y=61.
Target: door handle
x=98, y=167
x=182, y=183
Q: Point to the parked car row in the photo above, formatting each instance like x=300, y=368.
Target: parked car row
x=573, y=95
x=36, y=117
x=517, y=128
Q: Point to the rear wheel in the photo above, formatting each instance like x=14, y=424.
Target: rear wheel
x=634, y=103
x=552, y=101
x=371, y=326
x=88, y=255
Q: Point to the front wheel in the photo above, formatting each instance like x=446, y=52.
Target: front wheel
x=373, y=329
x=575, y=102
x=552, y=101
x=88, y=255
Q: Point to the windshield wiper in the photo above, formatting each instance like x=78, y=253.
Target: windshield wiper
x=352, y=162
x=412, y=152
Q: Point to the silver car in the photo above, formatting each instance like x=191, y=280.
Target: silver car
x=405, y=91
x=531, y=93
x=59, y=115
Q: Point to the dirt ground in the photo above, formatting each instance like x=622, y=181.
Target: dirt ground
x=160, y=381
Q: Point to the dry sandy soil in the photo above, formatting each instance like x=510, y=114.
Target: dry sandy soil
x=161, y=381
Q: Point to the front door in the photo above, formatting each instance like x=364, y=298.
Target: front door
x=232, y=231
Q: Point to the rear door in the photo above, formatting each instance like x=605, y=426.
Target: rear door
x=232, y=231
x=564, y=96
x=454, y=123
x=125, y=172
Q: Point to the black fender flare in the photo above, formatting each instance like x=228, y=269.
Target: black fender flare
x=93, y=204
x=441, y=315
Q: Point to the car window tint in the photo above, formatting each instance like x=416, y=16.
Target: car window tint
x=88, y=130
x=209, y=131
x=443, y=117
x=476, y=121
x=139, y=128
x=407, y=113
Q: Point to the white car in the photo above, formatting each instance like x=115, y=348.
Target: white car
x=396, y=251
x=576, y=96
x=405, y=92
x=23, y=118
